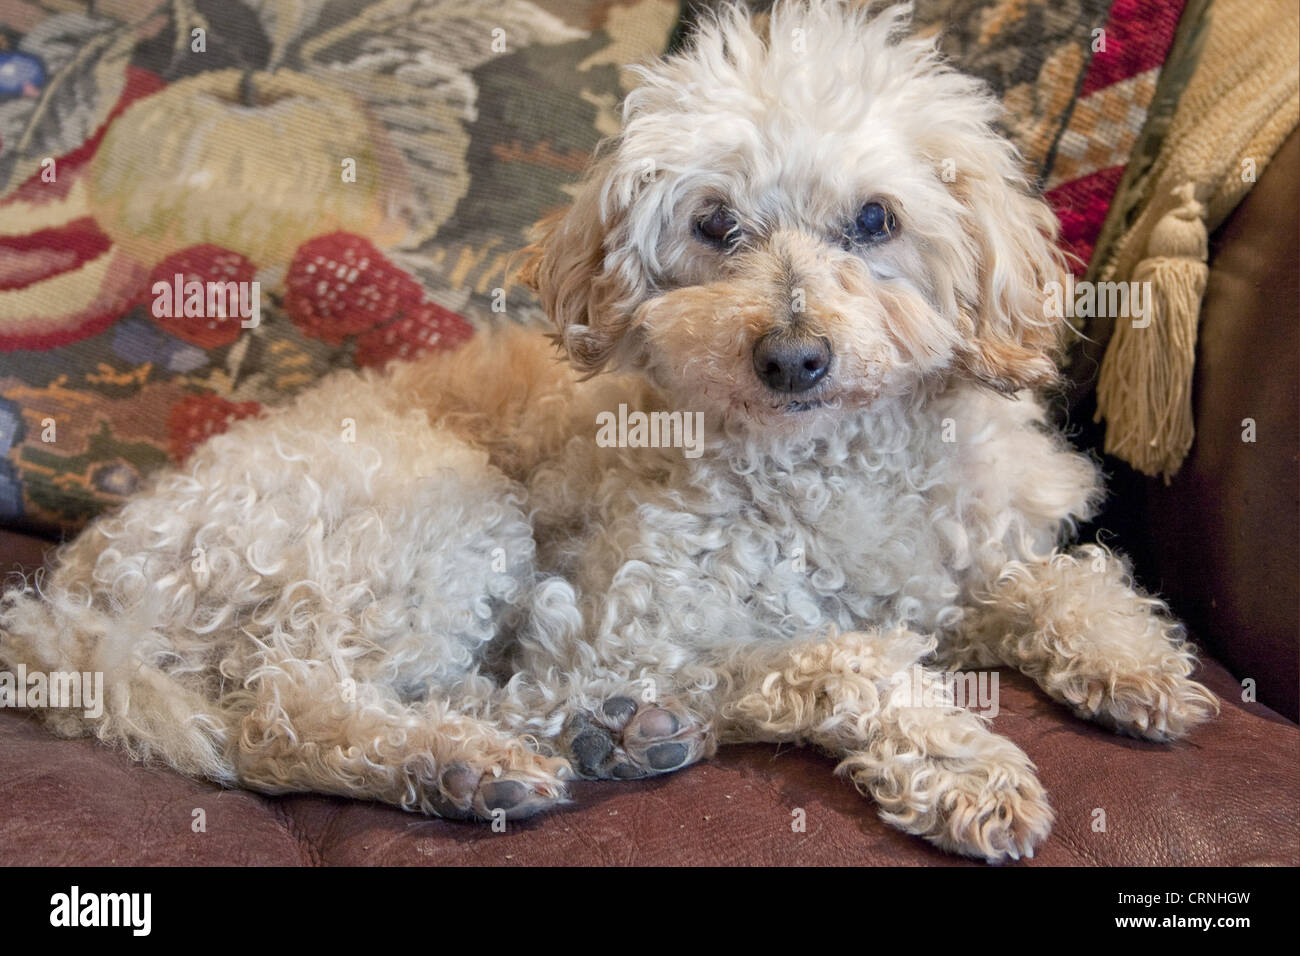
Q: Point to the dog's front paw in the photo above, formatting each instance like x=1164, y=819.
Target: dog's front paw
x=1151, y=704
x=993, y=817
x=626, y=738
x=989, y=806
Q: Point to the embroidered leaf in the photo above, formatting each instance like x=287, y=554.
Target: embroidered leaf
x=84, y=59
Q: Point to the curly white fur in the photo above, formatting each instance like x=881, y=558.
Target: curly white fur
x=433, y=587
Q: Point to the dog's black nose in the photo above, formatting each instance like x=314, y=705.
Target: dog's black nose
x=787, y=363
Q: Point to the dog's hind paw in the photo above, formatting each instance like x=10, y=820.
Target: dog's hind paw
x=467, y=792
x=626, y=739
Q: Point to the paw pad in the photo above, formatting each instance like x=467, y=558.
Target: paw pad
x=468, y=792
x=627, y=739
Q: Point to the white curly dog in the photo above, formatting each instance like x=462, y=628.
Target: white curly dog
x=435, y=587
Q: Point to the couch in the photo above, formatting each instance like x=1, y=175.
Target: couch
x=1220, y=542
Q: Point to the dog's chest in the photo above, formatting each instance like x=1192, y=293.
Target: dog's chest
x=854, y=542
x=851, y=536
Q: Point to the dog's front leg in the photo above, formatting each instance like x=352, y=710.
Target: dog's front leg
x=934, y=769
x=1076, y=625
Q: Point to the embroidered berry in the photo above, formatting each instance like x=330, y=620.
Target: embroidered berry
x=427, y=328
x=340, y=285
x=196, y=418
x=199, y=319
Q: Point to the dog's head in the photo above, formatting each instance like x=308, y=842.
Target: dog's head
x=801, y=221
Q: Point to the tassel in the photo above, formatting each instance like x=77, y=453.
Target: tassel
x=1145, y=387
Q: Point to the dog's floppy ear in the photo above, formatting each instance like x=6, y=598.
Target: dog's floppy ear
x=1011, y=342
x=578, y=273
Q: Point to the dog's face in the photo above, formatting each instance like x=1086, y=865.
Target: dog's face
x=794, y=225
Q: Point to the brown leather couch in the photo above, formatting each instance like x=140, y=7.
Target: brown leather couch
x=1220, y=543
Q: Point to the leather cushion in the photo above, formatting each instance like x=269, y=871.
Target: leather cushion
x=1230, y=795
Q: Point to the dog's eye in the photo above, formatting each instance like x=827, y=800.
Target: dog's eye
x=719, y=228
x=874, y=223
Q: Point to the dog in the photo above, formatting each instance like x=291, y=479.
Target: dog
x=435, y=587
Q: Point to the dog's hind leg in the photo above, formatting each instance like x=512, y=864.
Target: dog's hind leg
x=397, y=568
x=310, y=731
x=934, y=769
x=138, y=690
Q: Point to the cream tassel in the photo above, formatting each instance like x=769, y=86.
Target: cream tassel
x=1145, y=388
